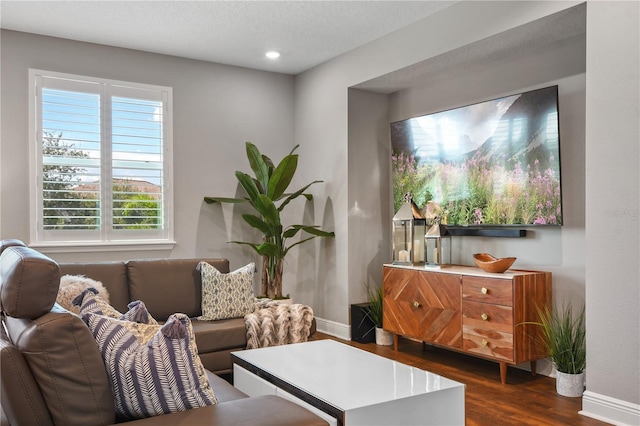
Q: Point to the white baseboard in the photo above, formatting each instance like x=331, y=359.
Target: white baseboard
x=336, y=329
x=610, y=410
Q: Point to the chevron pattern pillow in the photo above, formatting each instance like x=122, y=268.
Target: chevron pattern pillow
x=153, y=369
x=226, y=295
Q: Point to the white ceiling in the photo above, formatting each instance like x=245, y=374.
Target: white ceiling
x=307, y=33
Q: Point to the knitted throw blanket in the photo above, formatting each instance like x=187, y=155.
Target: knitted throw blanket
x=273, y=323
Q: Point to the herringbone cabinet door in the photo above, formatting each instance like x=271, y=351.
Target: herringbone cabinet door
x=424, y=305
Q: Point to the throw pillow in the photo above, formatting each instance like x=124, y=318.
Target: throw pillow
x=89, y=301
x=226, y=295
x=72, y=285
x=153, y=369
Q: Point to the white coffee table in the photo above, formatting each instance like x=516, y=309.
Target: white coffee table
x=349, y=386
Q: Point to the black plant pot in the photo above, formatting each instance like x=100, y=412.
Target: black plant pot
x=363, y=329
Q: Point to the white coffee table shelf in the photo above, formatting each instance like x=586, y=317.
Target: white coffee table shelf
x=349, y=386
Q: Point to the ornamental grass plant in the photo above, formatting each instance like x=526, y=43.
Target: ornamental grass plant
x=564, y=336
x=374, y=310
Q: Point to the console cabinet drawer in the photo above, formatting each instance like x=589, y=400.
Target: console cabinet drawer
x=487, y=290
x=489, y=343
x=485, y=315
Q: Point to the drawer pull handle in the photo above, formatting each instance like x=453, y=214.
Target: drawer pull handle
x=416, y=304
x=484, y=316
x=484, y=290
x=485, y=342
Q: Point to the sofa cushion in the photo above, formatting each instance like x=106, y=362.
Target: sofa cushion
x=156, y=376
x=226, y=296
x=224, y=390
x=112, y=275
x=213, y=336
x=262, y=410
x=169, y=285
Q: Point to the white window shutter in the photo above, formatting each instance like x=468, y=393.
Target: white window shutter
x=102, y=160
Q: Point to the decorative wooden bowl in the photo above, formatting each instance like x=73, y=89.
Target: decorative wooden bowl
x=488, y=263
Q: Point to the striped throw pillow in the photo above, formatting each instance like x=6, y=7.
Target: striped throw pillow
x=153, y=369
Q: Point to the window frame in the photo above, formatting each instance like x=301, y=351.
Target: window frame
x=105, y=238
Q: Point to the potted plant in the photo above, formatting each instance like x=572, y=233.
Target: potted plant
x=564, y=338
x=374, y=311
x=266, y=194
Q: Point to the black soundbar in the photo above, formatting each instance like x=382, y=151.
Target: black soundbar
x=464, y=231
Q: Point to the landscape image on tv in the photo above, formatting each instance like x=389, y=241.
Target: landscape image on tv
x=489, y=164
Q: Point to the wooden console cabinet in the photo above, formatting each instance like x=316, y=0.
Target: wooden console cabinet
x=468, y=310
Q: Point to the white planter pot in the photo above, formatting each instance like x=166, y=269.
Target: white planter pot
x=383, y=338
x=570, y=384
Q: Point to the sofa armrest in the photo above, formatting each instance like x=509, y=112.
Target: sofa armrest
x=256, y=411
x=22, y=401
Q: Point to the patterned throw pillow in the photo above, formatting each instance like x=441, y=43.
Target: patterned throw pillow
x=226, y=295
x=153, y=369
x=90, y=302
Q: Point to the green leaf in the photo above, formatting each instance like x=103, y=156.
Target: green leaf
x=248, y=185
x=211, y=200
x=298, y=193
x=268, y=210
x=258, y=185
x=244, y=243
x=258, y=165
x=294, y=148
x=291, y=232
x=282, y=176
x=271, y=250
x=269, y=163
x=295, y=244
x=314, y=230
x=258, y=223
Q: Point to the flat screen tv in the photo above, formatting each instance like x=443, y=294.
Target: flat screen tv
x=494, y=163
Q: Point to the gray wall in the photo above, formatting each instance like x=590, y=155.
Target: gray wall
x=612, y=204
x=328, y=114
x=368, y=217
x=216, y=109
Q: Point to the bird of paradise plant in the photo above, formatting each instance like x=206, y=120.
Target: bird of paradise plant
x=266, y=193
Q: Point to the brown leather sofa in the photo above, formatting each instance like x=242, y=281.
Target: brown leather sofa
x=167, y=286
x=52, y=372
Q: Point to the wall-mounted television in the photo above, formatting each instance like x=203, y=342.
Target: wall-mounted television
x=490, y=164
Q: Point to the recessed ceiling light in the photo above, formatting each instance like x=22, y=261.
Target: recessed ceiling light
x=272, y=54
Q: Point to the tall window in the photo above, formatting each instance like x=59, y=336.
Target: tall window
x=102, y=161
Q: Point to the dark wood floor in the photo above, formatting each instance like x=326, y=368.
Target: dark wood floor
x=524, y=400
